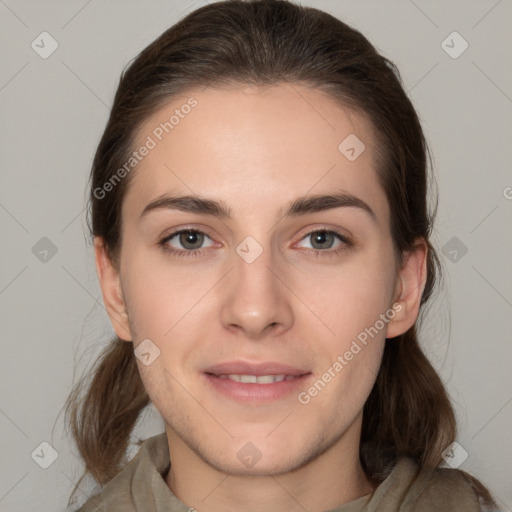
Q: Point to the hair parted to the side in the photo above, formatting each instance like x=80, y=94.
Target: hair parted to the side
x=265, y=42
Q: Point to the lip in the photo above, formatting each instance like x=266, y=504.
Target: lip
x=247, y=368
x=255, y=392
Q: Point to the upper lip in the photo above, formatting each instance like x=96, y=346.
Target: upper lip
x=247, y=368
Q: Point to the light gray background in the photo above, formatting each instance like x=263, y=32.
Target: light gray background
x=53, y=112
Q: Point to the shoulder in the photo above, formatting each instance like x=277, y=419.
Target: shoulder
x=465, y=486
x=135, y=481
x=441, y=489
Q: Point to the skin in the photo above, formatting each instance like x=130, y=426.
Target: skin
x=257, y=149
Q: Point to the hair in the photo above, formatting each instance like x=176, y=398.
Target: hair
x=267, y=42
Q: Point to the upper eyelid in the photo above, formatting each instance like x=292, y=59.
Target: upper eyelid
x=173, y=232
x=177, y=232
x=338, y=231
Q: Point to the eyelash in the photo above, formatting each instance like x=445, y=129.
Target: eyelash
x=346, y=243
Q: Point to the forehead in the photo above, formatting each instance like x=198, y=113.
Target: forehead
x=249, y=145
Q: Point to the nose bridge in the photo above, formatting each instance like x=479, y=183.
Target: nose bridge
x=255, y=298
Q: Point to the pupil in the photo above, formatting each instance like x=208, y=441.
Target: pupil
x=321, y=237
x=189, y=237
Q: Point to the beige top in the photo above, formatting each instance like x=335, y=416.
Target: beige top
x=140, y=487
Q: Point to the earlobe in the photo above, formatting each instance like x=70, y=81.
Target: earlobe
x=409, y=289
x=110, y=283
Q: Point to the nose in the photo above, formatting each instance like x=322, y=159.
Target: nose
x=256, y=300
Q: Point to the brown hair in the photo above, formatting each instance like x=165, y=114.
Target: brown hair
x=264, y=42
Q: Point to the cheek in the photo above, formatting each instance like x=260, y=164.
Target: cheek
x=159, y=295
x=356, y=306
x=350, y=297
x=346, y=393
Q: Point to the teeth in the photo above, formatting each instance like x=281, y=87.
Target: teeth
x=268, y=379
x=256, y=379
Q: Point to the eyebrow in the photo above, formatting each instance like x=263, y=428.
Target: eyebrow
x=193, y=203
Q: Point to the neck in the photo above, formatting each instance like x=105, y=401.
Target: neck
x=332, y=479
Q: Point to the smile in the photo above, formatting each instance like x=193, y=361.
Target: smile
x=257, y=379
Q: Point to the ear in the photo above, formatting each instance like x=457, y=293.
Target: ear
x=110, y=284
x=409, y=288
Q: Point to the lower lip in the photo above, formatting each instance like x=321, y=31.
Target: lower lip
x=254, y=392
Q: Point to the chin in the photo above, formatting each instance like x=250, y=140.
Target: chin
x=258, y=455
x=263, y=466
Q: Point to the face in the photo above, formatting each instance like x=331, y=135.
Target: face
x=267, y=315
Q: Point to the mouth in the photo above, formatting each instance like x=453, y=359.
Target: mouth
x=255, y=379
x=255, y=382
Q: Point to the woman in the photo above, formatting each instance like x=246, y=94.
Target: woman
x=262, y=241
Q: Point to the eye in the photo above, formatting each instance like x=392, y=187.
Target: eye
x=189, y=242
x=322, y=240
